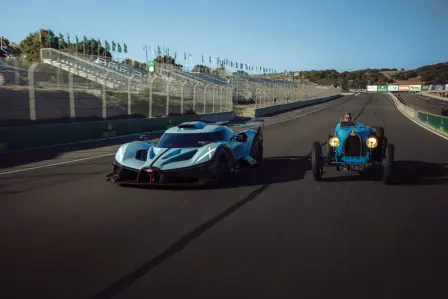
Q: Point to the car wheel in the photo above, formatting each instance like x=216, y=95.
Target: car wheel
x=259, y=154
x=379, y=131
x=388, y=165
x=223, y=174
x=316, y=161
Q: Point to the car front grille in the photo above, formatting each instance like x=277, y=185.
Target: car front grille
x=353, y=146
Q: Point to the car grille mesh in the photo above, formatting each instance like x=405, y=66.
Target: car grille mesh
x=353, y=146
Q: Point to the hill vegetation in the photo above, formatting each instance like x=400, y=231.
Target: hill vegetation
x=429, y=74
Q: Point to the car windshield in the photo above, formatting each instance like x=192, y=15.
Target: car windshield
x=179, y=140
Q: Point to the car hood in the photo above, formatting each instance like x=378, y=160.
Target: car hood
x=362, y=131
x=165, y=158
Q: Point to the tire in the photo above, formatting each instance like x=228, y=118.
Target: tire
x=223, y=174
x=384, y=147
x=388, y=165
x=379, y=131
x=316, y=161
x=260, y=154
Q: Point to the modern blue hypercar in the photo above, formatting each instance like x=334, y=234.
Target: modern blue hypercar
x=193, y=153
x=354, y=148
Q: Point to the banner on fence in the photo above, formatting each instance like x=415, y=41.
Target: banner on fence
x=382, y=88
x=403, y=88
x=437, y=87
x=392, y=87
x=371, y=88
x=415, y=88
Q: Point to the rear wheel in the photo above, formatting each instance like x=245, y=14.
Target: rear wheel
x=379, y=131
x=259, y=153
x=316, y=161
x=388, y=164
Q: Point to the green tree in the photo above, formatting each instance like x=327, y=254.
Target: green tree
x=199, y=68
x=166, y=59
x=30, y=46
x=46, y=38
x=220, y=71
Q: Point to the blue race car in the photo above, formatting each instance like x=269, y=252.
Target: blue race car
x=355, y=147
x=192, y=153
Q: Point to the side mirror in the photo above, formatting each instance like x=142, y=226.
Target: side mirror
x=241, y=137
x=144, y=138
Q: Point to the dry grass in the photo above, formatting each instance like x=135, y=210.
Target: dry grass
x=416, y=80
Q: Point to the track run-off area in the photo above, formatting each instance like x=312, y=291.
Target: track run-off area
x=271, y=233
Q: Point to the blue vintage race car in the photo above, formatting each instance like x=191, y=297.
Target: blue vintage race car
x=192, y=153
x=355, y=147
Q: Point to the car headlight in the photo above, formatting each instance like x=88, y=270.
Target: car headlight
x=371, y=142
x=334, y=141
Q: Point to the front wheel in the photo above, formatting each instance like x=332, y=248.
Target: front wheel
x=259, y=154
x=316, y=161
x=389, y=160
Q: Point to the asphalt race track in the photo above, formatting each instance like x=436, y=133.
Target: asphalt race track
x=273, y=233
x=424, y=103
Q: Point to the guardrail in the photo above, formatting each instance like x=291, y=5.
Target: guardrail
x=25, y=137
x=435, y=123
x=292, y=106
x=16, y=138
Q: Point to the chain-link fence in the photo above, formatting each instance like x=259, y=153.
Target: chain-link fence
x=66, y=88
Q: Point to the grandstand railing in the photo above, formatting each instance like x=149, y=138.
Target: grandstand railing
x=46, y=92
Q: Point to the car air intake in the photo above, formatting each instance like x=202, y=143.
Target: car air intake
x=141, y=155
x=353, y=146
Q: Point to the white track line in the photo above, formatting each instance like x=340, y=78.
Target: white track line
x=112, y=154
x=55, y=164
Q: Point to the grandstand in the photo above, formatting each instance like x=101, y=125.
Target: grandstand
x=75, y=86
x=117, y=75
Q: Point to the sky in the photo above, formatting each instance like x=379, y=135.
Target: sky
x=294, y=35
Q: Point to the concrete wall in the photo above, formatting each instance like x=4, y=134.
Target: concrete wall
x=292, y=106
x=14, y=138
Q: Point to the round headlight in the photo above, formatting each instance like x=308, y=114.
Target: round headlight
x=371, y=142
x=334, y=141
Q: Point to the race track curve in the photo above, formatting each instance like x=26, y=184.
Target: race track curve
x=278, y=234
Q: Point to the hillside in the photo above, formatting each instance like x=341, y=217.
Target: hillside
x=429, y=74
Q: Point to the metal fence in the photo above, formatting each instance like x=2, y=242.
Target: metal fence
x=63, y=87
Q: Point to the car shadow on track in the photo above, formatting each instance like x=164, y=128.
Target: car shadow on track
x=272, y=170
x=420, y=173
x=23, y=157
x=412, y=173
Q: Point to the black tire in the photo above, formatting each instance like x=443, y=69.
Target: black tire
x=384, y=147
x=379, y=131
x=388, y=165
x=224, y=173
x=316, y=161
x=259, y=155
